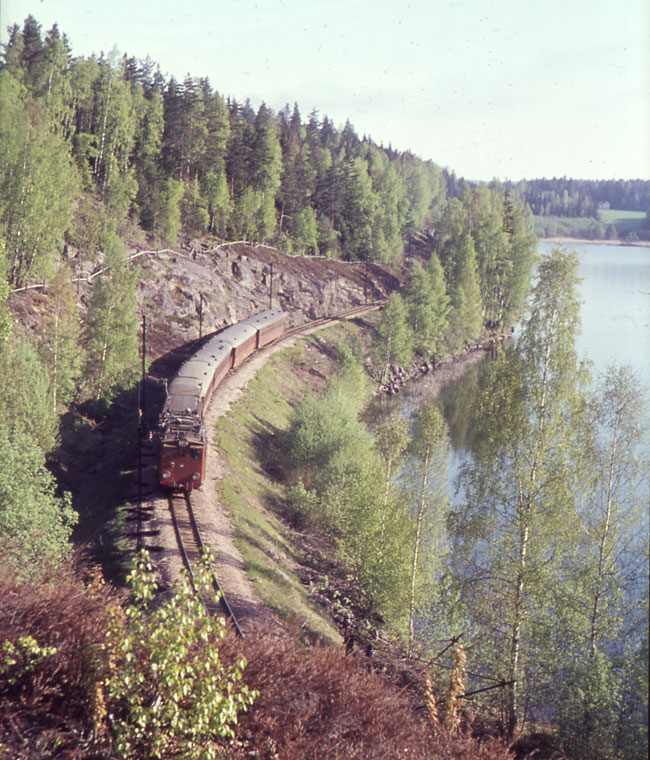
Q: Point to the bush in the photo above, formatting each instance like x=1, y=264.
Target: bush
x=49, y=634
x=168, y=692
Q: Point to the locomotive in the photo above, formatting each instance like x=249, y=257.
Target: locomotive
x=181, y=435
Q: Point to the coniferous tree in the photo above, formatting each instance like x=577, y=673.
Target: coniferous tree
x=147, y=154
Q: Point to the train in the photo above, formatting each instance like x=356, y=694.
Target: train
x=181, y=435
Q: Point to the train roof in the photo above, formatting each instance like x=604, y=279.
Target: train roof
x=191, y=383
x=270, y=316
x=181, y=403
x=214, y=351
x=237, y=334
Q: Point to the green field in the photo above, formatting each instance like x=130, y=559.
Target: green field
x=624, y=221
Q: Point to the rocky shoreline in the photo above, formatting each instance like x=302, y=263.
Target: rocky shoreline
x=399, y=376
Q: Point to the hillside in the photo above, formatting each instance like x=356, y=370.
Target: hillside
x=296, y=572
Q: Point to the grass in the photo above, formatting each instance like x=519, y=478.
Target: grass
x=624, y=221
x=247, y=439
x=628, y=225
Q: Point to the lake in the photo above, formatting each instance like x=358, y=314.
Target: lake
x=615, y=317
x=615, y=313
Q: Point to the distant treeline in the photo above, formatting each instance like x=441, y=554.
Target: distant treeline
x=583, y=198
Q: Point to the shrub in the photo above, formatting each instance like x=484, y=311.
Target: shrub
x=168, y=691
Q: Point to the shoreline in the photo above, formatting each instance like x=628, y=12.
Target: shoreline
x=583, y=241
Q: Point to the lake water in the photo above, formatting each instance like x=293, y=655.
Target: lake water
x=615, y=312
x=615, y=318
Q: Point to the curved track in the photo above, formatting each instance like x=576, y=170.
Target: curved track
x=180, y=512
x=322, y=321
x=192, y=549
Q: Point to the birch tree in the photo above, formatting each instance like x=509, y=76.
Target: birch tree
x=511, y=535
x=59, y=346
x=38, y=185
x=111, y=338
x=427, y=474
x=602, y=600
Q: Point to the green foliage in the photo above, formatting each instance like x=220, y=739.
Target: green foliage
x=324, y=424
x=110, y=336
x=546, y=569
x=393, y=338
x=35, y=524
x=341, y=486
x=25, y=396
x=21, y=658
x=511, y=535
x=169, y=220
x=426, y=474
x=5, y=315
x=305, y=231
x=168, y=691
x=571, y=198
x=427, y=305
x=59, y=344
x=38, y=184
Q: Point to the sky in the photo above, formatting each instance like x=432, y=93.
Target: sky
x=505, y=89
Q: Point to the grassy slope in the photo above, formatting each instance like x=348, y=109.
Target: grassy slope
x=248, y=440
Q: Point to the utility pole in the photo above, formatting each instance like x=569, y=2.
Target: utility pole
x=141, y=416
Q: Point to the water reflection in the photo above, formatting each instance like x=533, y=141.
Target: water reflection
x=615, y=316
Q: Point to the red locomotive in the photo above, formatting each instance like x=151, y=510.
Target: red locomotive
x=182, y=437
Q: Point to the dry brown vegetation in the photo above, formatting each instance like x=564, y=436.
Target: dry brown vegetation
x=48, y=712
x=315, y=702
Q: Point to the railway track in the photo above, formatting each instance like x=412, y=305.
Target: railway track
x=321, y=321
x=188, y=535
x=192, y=548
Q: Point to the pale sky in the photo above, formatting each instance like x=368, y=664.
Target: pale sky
x=486, y=88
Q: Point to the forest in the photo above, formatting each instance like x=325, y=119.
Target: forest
x=174, y=156
x=579, y=197
x=538, y=561
x=102, y=155
x=589, y=209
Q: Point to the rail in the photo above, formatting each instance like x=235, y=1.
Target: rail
x=191, y=546
x=322, y=321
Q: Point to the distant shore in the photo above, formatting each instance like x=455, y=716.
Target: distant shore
x=569, y=240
